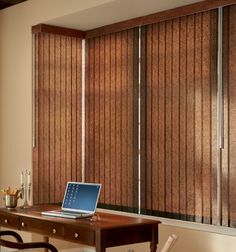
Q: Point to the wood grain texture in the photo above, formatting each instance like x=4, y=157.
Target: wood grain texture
x=168, y=116
x=175, y=180
x=68, y=112
x=149, y=119
x=155, y=113
x=190, y=117
x=111, y=71
x=107, y=119
x=206, y=113
x=102, y=114
x=113, y=117
x=36, y=118
x=198, y=119
x=231, y=115
x=143, y=126
x=213, y=94
x=180, y=137
x=46, y=103
x=40, y=120
x=118, y=137
x=162, y=117
x=44, y=28
x=52, y=118
x=56, y=118
x=182, y=117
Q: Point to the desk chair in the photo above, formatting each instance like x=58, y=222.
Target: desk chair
x=78, y=250
x=19, y=244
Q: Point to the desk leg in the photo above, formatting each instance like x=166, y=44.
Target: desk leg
x=153, y=247
x=98, y=242
x=46, y=239
x=154, y=241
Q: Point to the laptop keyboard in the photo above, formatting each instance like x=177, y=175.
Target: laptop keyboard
x=67, y=214
x=79, y=214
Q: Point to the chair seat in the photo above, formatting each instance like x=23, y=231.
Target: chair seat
x=82, y=249
x=2, y=249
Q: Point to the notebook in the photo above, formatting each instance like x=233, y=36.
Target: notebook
x=80, y=201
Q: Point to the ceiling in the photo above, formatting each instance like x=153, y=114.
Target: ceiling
x=115, y=11
x=7, y=3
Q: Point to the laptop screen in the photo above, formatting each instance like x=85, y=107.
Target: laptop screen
x=81, y=196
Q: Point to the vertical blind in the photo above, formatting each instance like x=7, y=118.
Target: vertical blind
x=179, y=141
x=229, y=90
x=111, y=154
x=178, y=138
x=57, y=154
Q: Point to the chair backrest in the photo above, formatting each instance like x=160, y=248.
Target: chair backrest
x=19, y=244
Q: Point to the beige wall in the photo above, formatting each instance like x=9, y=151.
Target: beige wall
x=16, y=109
x=15, y=80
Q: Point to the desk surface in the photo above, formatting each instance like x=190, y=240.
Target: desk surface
x=104, y=230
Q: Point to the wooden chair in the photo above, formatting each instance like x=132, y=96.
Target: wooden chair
x=19, y=244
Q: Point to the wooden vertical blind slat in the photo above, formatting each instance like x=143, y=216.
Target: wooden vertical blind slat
x=113, y=118
x=182, y=116
x=198, y=119
x=134, y=130
x=68, y=111
x=91, y=107
x=232, y=116
x=96, y=114
x=40, y=120
x=36, y=117
x=52, y=117
x=143, y=125
x=213, y=143
x=110, y=112
x=45, y=136
x=175, y=119
x=118, y=97
x=102, y=114
x=57, y=118
x=77, y=111
x=190, y=117
x=179, y=100
x=63, y=98
x=168, y=121
x=87, y=113
x=124, y=106
x=206, y=92
x=107, y=118
x=162, y=118
x=228, y=155
x=149, y=117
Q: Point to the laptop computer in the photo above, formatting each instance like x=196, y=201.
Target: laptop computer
x=80, y=201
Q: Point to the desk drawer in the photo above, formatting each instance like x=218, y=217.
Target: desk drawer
x=79, y=234
x=44, y=227
x=7, y=220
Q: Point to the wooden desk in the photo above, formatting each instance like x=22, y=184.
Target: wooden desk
x=108, y=230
